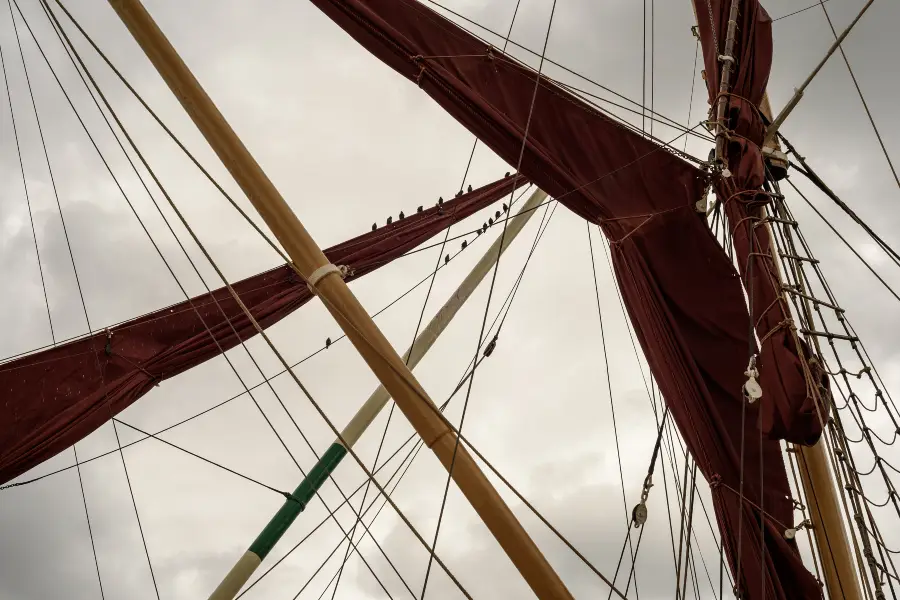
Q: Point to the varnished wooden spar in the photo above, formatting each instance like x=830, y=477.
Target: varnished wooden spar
x=312, y=264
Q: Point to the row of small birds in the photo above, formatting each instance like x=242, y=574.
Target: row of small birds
x=440, y=204
x=465, y=243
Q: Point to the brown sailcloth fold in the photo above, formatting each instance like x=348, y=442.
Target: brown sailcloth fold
x=682, y=293
x=52, y=399
x=790, y=381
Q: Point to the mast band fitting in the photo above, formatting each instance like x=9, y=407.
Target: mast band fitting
x=320, y=274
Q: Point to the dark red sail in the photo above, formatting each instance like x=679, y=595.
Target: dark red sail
x=790, y=380
x=53, y=399
x=682, y=293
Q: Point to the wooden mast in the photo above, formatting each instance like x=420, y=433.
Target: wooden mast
x=819, y=485
x=325, y=279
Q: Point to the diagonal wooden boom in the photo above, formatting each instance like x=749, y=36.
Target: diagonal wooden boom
x=325, y=279
x=306, y=491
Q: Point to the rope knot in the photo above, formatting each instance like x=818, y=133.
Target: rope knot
x=715, y=482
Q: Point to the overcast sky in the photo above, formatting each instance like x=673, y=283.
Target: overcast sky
x=348, y=143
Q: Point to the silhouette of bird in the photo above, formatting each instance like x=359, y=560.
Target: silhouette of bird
x=464, y=244
x=374, y=226
x=446, y=259
x=497, y=215
x=440, y=199
x=505, y=207
x=470, y=188
x=402, y=216
x=507, y=174
x=327, y=342
x=418, y=210
x=390, y=220
x=491, y=221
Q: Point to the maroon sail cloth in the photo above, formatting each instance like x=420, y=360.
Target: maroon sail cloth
x=790, y=382
x=682, y=293
x=53, y=399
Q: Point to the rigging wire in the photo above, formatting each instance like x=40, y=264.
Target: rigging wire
x=37, y=251
x=507, y=305
x=101, y=371
x=61, y=34
x=495, y=270
x=797, y=12
x=649, y=114
x=232, y=398
x=861, y=96
x=421, y=317
x=835, y=426
x=807, y=171
x=844, y=240
x=71, y=257
x=612, y=406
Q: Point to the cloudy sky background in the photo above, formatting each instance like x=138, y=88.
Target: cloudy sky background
x=349, y=143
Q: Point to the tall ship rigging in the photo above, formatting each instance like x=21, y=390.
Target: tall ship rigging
x=762, y=397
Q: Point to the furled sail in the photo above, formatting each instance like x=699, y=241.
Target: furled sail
x=53, y=399
x=793, y=381
x=683, y=295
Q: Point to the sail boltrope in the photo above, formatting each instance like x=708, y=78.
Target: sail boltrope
x=793, y=381
x=682, y=292
x=53, y=399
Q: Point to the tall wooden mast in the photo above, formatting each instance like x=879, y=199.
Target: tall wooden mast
x=324, y=278
x=819, y=484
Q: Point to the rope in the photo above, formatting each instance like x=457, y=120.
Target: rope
x=495, y=269
x=422, y=315
x=845, y=242
x=612, y=406
x=71, y=258
x=37, y=251
x=221, y=275
x=797, y=12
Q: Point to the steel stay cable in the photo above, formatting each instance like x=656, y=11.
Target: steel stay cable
x=201, y=278
x=797, y=12
x=234, y=397
x=495, y=270
x=662, y=118
x=432, y=279
x=801, y=278
x=510, y=298
x=609, y=389
x=69, y=247
x=507, y=303
x=99, y=366
x=428, y=295
x=298, y=382
x=861, y=96
x=549, y=201
x=15, y=129
x=221, y=275
x=846, y=243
